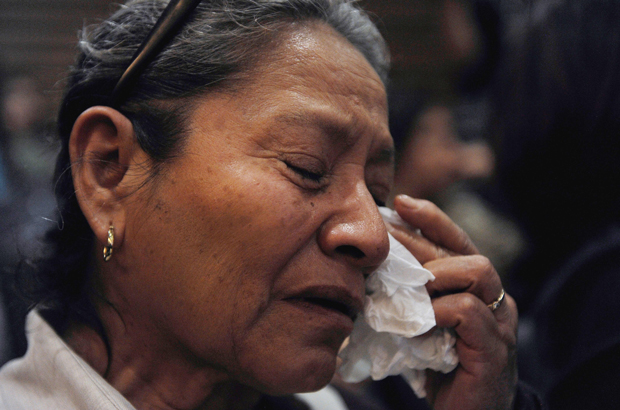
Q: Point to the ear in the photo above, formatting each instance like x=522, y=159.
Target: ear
x=102, y=147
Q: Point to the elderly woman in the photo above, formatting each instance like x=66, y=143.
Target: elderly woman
x=231, y=178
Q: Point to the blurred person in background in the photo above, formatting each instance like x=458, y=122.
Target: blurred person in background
x=24, y=116
x=431, y=155
x=26, y=200
x=6, y=256
x=558, y=150
x=434, y=161
x=442, y=152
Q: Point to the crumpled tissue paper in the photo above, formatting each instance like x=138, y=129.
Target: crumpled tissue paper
x=394, y=334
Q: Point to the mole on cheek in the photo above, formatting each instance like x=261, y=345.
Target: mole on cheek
x=160, y=207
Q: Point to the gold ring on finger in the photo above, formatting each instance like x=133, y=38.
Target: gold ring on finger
x=497, y=302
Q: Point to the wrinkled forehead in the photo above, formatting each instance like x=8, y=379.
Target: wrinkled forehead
x=318, y=68
x=316, y=44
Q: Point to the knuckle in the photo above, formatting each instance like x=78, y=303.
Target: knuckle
x=440, y=252
x=513, y=311
x=481, y=261
x=511, y=341
x=484, y=269
x=468, y=304
x=512, y=305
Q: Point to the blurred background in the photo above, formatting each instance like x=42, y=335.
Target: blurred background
x=430, y=40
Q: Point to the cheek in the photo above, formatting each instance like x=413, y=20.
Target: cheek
x=218, y=246
x=255, y=223
x=234, y=214
x=218, y=242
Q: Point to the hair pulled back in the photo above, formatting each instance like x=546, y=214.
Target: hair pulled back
x=221, y=39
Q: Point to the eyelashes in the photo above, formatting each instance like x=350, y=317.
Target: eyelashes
x=306, y=174
x=316, y=180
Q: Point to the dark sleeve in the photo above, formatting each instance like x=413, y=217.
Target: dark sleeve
x=594, y=385
x=394, y=394
x=527, y=399
x=358, y=399
x=280, y=403
x=391, y=393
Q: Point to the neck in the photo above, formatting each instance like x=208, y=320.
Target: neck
x=152, y=375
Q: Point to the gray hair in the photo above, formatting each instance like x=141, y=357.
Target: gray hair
x=229, y=35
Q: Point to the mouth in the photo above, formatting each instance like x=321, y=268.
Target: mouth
x=330, y=299
x=332, y=305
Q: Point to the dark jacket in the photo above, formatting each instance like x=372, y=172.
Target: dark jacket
x=570, y=343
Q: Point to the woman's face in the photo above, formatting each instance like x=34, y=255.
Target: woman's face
x=248, y=254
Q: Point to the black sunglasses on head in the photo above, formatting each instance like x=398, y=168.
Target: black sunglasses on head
x=170, y=21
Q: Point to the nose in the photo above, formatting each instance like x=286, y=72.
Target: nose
x=355, y=231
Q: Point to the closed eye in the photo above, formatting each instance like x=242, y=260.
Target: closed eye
x=306, y=174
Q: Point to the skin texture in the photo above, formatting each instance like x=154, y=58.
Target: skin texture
x=239, y=269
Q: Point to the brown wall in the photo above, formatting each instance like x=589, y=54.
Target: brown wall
x=429, y=39
x=40, y=36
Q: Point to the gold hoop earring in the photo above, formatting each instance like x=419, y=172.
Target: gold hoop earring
x=107, y=250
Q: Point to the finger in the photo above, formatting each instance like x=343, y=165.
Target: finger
x=483, y=344
x=474, y=322
x=473, y=274
x=508, y=313
x=434, y=224
x=486, y=348
x=469, y=317
x=423, y=249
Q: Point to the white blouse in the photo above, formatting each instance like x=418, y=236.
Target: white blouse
x=51, y=376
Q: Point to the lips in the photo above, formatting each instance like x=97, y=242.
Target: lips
x=330, y=298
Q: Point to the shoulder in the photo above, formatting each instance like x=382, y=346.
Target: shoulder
x=20, y=387
x=51, y=376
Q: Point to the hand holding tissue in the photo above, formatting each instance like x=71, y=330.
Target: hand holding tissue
x=395, y=335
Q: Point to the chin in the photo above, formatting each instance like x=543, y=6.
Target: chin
x=297, y=376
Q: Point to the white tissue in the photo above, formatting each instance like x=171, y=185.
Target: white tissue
x=393, y=337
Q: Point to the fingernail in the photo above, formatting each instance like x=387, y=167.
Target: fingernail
x=407, y=201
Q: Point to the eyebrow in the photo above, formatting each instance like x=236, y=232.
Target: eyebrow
x=331, y=125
